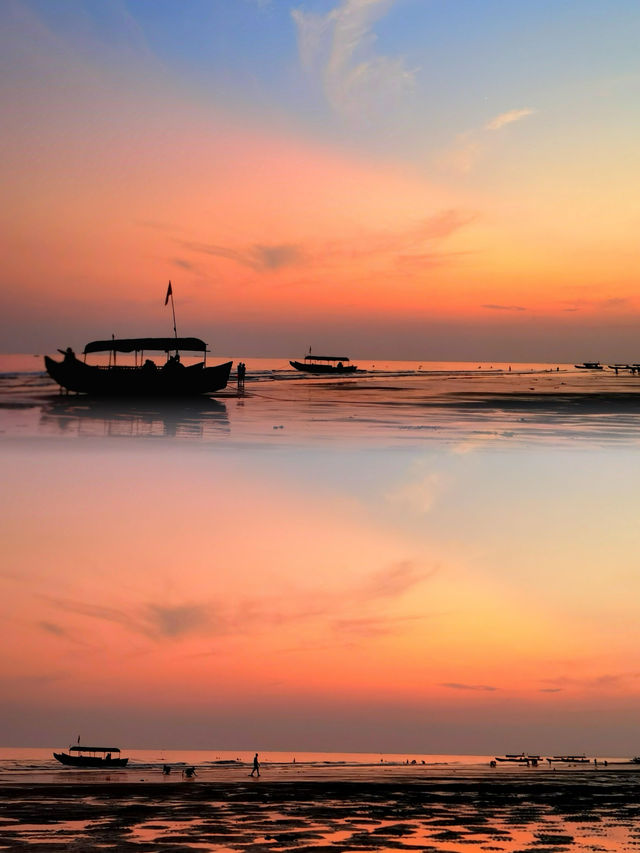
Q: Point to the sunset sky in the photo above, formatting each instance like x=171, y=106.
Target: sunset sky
x=395, y=178
x=218, y=597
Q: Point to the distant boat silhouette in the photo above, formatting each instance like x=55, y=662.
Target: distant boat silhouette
x=520, y=758
x=173, y=379
x=324, y=364
x=589, y=365
x=570, y=759
x=91, y=756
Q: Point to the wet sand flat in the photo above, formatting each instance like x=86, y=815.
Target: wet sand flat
x=394, y=408
x=571, y=811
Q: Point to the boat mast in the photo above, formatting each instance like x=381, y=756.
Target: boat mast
x=173, y=310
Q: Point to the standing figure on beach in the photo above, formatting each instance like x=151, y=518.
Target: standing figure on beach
x=242, y=369
x=256, y=765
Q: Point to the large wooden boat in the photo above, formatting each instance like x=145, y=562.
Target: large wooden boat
x=589, y=365
x=143, y=379
x=324, y=364
x=91, y=756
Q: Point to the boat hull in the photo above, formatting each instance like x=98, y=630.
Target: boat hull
x=89, y=761
x=568, y=759
x=516, y=760
x=323, y=368
x=179, y=381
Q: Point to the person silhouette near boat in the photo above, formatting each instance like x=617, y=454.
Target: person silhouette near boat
x=173, y=363
x=69, y=356
x=256, y=765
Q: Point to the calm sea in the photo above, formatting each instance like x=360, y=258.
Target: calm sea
x=387, y=403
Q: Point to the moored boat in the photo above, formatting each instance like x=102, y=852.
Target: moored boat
x=589, y=365
x=145, y=378
x=324, y=364
x=570, y=759
x=519, y=758
x=91, y=756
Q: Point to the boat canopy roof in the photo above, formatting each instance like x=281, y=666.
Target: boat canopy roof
x=94, y=749
x=325, y=358
x=138, y=344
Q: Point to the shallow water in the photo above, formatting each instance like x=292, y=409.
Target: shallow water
x=396, y=404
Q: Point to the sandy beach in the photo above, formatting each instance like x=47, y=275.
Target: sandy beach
x=559, y=811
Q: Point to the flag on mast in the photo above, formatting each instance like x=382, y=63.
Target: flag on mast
x=169, y=293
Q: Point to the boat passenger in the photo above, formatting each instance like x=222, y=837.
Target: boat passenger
x=69, y=355
x=149, y=366
x=173, y=363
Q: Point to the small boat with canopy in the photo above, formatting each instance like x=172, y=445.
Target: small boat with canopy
x=91, y=756
x=324, y=364
x=569, y=759
x=144, y=378
x=520, y=758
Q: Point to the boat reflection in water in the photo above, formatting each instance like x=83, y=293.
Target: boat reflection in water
x=198, y=418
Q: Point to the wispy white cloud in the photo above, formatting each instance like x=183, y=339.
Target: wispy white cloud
x=342, y=44
x=508, y=118
x=468, y=147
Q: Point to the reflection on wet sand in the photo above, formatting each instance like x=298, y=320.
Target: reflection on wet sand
x=81, y=416
x=558, y=814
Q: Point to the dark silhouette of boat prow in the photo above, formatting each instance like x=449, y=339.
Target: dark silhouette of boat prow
x=91, y=756
x=173, y=379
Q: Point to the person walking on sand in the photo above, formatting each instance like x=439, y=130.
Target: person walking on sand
x=256, y=765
